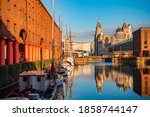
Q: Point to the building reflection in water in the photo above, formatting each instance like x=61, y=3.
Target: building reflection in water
x=121, y=78
x=141, y=81
x=114, y=74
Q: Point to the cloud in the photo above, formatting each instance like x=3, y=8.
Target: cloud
x=84, y=34
x=139, y=25
x=109, y=30
x=88, y=35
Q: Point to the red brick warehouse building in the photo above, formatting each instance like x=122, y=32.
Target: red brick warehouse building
x=141, y=42
x=26, y=31
x=141, y=81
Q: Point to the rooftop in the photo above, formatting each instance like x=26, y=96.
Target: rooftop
x=32, y=73
x=145, y=28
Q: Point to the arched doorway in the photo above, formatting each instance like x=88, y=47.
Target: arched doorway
x=23, y=36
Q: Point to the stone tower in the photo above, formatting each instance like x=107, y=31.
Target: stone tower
x=98, y=39
x=99, y=33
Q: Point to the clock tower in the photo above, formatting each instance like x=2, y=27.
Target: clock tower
x=98, y=39
x=98, y=29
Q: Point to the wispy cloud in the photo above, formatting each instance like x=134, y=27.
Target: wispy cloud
x=109, y=30
x=84, y=34
x=88, y=35
x=137, y=26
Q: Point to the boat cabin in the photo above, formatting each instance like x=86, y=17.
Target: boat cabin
x=33, y=80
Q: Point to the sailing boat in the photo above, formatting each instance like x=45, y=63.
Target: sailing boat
x=68, y=61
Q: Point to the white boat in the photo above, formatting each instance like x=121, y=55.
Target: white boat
x=69, y=60
x=34, y=85
x=33, y=80
x=68, y=63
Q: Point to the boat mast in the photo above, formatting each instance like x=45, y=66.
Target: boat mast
x=70, y=43
x=53, y=67
x=66, y=43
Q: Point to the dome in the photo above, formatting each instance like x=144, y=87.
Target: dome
x=119, y=29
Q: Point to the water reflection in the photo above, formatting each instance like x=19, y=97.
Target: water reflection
x=68, y=85
x=142, y=81
x=112, y=73
x=108, y=81
x=73, y=77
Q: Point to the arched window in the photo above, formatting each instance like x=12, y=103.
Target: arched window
x=8, y=4
x=15, y=28
x=15, y=9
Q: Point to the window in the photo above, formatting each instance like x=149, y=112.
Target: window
x=21, y=13
x=33, y=10
x=145, y=36
x=145, y=39
x=38, y=78
x=24, y=79
x=146, y=53
x=29, y=20
x=33, y=22
x=7, y=24
x=14, y=9
x=145, y=71
x=145, y=42
x=29, y=34
x=8, y=4
x=15, y=28
x=145, y=46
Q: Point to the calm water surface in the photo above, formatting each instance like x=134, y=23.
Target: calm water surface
x=106, y=81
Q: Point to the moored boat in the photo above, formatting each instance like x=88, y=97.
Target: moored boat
x=68, y=63
x=34, y=85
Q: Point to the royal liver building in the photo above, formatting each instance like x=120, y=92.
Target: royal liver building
x=101, y=42
x=98, y=39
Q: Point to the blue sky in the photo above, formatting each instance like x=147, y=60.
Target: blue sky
x=82, y=15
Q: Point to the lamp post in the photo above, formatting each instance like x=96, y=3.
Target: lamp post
x=53, y=66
